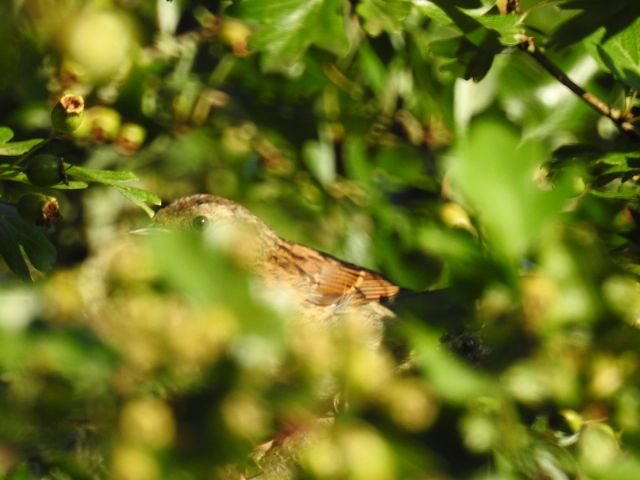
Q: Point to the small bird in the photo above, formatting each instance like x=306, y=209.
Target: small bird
x=324, y=286
x=325, y=290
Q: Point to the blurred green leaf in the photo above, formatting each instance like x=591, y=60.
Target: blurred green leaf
x=39, y=250
x=494, y=173
x=320, y=158
x=17, y=236
x=285, y=29
x=387, y=15
x=431, y=10
x=10, y=251
x=372, y=68
x=140, y=197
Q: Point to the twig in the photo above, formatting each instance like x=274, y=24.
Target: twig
x=623, y=120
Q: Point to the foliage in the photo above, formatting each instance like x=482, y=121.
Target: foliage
x=423, y=139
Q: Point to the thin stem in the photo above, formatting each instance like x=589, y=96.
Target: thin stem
x=623, y=120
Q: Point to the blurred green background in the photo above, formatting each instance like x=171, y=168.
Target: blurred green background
x=411, y=137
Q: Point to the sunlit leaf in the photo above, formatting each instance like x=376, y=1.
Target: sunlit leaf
x=140, y=197
x=478, y=34
x=107, y=177
x=508, y=26
x=12, y=149
x=495, y=174
x=285, y=29
x=6, y=134
x=320, y=159
x=620, y=53
x=71, y=185
x=387, y=15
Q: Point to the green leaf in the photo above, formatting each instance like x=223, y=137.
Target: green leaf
x=434, y=12
x=15, y=148
x=113, y=178
x=384, y=15
x=508, y=26
x=619, y=54
x=470, y=62
x=9, y=171
x=446, y=47
x=6, y=134
x=494, y=173
x=593, y=15
x=285, y=29
x=10, y=251
x=320, y=158
x=36, y=245
x=372, y=68
x=18, y=148
x=17, y=235
x=478, y=34
x=140, y=197
x=13, y=174
x=483, y=37
x=71, y=185
x=106, y=177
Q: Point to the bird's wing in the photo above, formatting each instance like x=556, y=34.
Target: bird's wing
x=332, y=280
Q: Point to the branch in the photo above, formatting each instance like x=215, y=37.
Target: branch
x=623, y=120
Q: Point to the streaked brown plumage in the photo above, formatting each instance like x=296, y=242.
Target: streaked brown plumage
x=324, y=285
x=325, y=290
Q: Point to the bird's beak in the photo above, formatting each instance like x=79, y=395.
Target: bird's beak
x=150, y=230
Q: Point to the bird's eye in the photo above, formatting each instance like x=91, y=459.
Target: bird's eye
x=199, y=221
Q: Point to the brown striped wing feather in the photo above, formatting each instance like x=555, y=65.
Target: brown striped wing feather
x=331, y=279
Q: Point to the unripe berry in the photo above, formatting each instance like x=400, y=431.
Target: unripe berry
x=236, y=34
x=45, y=170
x=130, y=137
x=66, y=116
x=105, y=124
x=39, y=208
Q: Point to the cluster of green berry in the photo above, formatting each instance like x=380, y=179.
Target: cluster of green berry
x=45, y=169
x=70, y=119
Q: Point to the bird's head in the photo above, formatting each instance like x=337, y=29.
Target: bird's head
x=227, y=223
x=196, y=211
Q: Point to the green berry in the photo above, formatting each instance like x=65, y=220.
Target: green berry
x=66, y=116
x=39, y=208
x=45, y=170
x=130, y=137
x=105, y=124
